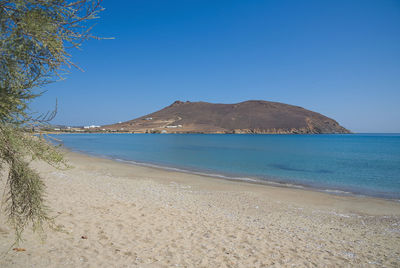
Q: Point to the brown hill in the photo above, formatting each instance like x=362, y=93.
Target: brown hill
x=246, y=117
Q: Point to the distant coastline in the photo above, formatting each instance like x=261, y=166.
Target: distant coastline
x=248, y=117
x=191, y=132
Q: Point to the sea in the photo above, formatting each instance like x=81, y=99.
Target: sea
x=356, y=164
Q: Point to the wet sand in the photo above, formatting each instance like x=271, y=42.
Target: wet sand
x=134, y=216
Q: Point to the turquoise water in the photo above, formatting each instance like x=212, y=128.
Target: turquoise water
x=366, y=164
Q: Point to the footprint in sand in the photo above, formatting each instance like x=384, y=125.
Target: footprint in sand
x=4, y=231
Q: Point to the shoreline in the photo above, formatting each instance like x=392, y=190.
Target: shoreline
x=307, y=193
x=246, y=179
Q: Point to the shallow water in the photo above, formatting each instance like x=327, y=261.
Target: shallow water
x=366, y=164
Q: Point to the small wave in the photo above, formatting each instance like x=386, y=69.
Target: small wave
x=336, y=191
x=188, y=171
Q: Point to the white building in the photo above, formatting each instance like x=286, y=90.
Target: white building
x=91, y=126
x=178, y=126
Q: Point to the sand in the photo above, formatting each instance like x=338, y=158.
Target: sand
x=133, y=216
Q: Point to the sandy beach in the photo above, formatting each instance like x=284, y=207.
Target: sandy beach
x=120, y=215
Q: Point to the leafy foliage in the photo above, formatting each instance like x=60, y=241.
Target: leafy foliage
x=25, y=196
x=35, y=36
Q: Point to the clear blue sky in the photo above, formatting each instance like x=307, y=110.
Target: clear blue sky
x=339, y=58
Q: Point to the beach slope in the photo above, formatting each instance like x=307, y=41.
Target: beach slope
x=121, y=215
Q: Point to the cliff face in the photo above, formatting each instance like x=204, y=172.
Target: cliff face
x=246, y=117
